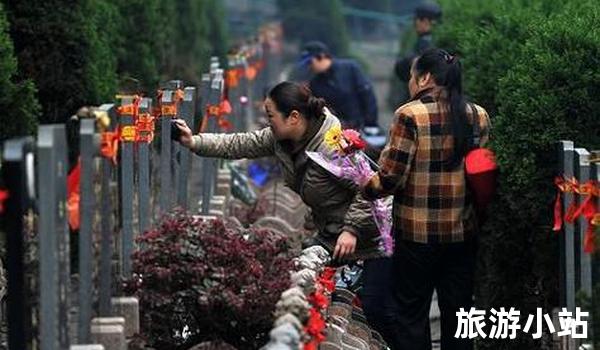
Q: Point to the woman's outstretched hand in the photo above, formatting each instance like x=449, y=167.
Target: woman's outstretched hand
x=186, y=133
x=345, y=245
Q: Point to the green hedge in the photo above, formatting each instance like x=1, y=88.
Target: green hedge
x=17, y=97
x=534, y=66
x=83, y=52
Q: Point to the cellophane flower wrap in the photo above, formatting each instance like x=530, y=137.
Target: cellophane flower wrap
x=347, y=161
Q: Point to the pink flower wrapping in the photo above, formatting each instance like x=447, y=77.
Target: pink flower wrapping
x=355, y=166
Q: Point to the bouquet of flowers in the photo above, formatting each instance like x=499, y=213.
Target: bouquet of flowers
x=347, y=161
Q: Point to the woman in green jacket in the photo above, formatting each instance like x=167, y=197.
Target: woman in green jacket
x=298, y=122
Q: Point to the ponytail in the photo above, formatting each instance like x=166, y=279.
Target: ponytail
x=315, y=106
x=447, y=72
x=458, y=113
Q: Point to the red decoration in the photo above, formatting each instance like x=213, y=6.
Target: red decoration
x=73, y=198
x=225, y=107
x=218, y=111
x=318, y=300
x=251, y=73
x=4, y=194
x=328, y=285
x=315, y=326
x=109, y=144
x=144, y=126
x=588, y=207
x=232, y=78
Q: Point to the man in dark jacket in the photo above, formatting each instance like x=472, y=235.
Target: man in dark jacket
x=343, y=86
x=425, y=16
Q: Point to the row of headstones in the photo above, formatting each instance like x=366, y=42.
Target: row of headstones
x=283, y=203
x=577, y=268
x=293, y=308
x=35, y=174
x=346, y=324
x=283, y=211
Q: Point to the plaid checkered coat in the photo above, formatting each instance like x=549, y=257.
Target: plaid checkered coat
x=430, y=201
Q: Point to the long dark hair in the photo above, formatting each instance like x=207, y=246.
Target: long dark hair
x=447, y=72
x=289, y=96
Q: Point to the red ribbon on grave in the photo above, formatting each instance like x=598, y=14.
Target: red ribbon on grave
x=73, y=196
x=326, y=279
x=109, y=144
x=564, y=186
x=251, y=72
x=4, y=194
x=315, y=328
x=559, y=181
x=218, y=111
x=109, y=140
x=588, y=207
x=328, y=273
x=588, y=210
x=144, y=126
x=232, y=78
x=318, y=300
x=171, y=108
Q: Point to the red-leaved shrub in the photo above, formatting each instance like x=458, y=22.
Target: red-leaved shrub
x=199, y=281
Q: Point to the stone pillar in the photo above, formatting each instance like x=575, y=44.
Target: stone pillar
x=129, y=309
x=110, y=332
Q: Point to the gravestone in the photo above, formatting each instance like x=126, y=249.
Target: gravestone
x=19, y=177
x=88, y=151
x=106, y=224
x=53, y=238
x=128, y=308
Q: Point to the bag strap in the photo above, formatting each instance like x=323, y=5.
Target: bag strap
x=476, y=140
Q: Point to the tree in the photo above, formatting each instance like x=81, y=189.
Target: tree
x=103, y=32
x=191, y=41
x=141, y=44
x=316, y=20
x=59, y=47
x=217, y=29
x=17, y=98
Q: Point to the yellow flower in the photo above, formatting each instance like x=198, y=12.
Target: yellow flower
x=333, y=137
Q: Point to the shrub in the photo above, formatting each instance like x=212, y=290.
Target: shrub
x=198, y=281
x=533, y=65
x=61, y=46
x=316, y=20
x=17, y=98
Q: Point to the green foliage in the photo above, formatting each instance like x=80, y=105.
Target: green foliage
x=533, y=65
x=140, y=42
x=316, y=20
x=101, y=70
x=217, y=29
x=60, y=47
x=71, y=64
x=17, y=98
x=83, y=52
